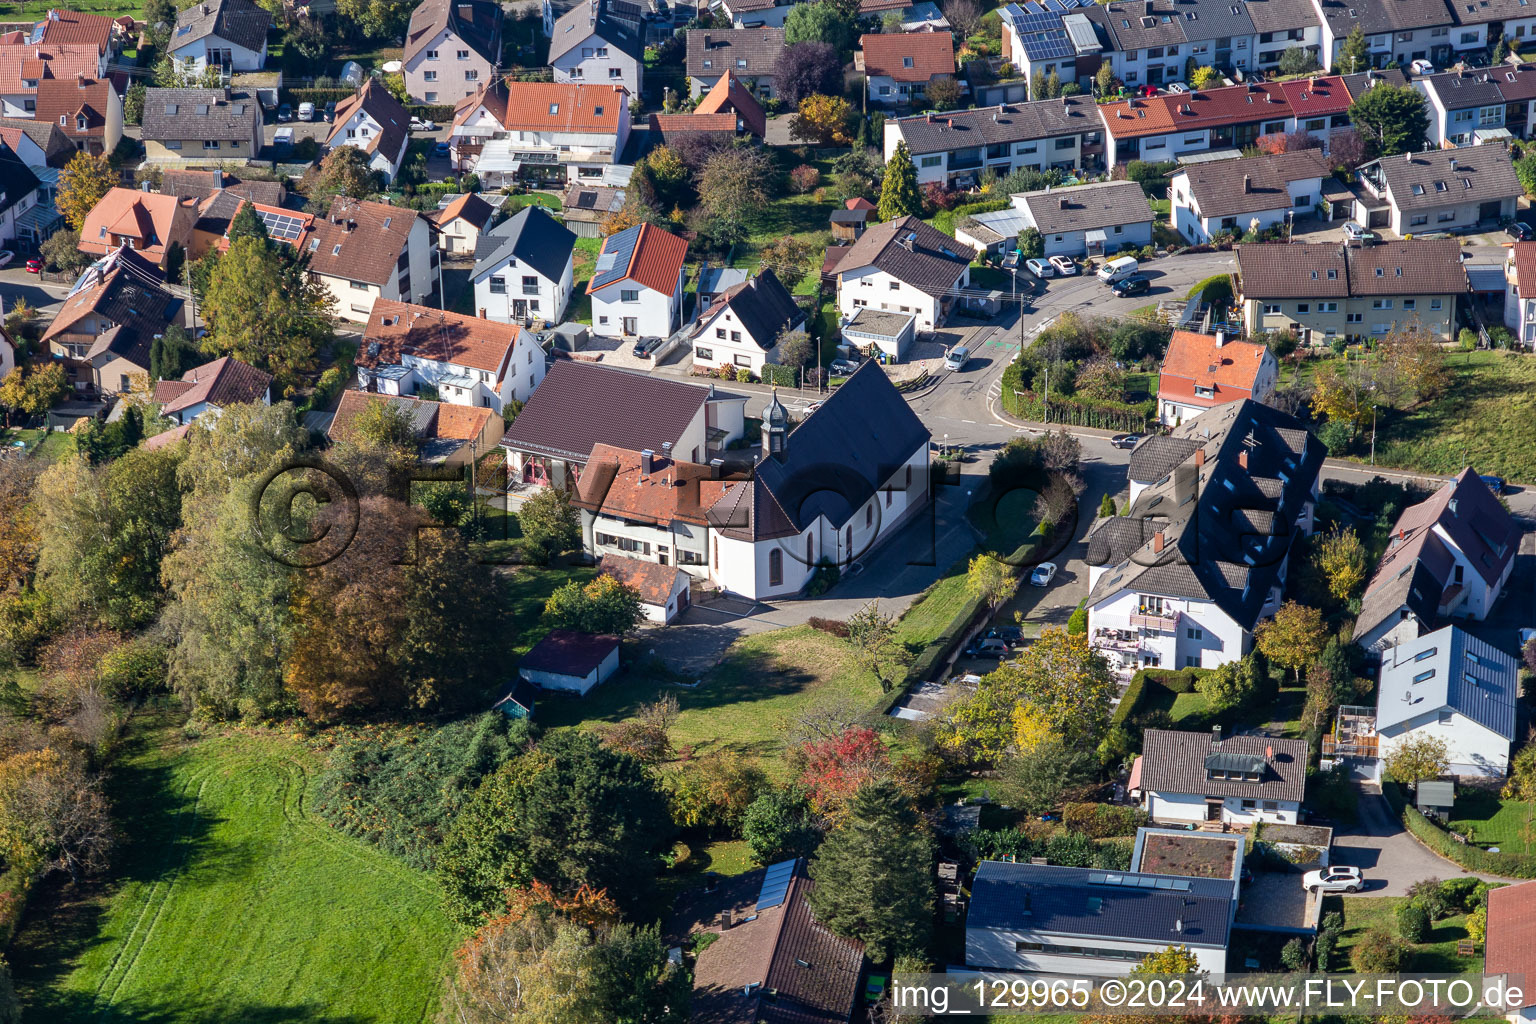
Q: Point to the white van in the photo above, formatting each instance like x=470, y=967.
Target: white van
x=957, y=358
x=1118, y=269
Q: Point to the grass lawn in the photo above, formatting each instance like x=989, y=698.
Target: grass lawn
x=1009, y=524
x=927, y=619
x=1488, y=821
x=1437, y=955
x=55, y=444
x=544, y=199
x=230, y=902
x=530, y=587
x=583, y=258
x=743, y=704
x=1190, y=711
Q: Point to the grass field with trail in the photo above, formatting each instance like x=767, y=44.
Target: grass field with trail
x=230, y=902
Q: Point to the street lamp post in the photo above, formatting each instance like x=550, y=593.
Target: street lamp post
x=1373, y=433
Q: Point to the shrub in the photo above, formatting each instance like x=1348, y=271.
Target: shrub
x=1336, y=436
x=1377, y=953
x=823, y=579
x=1107, y=506
x=1412, y=921
x=805, y=178
x=1322, y=949
x=1102, y=821
x=1429, y=893
x=1467, y=339
x=1293, y=955
x=1077, y=622
x=1477, y=924
x=1462, y=894
x=743, y=375
x=134, y=669
x=1070, y=850
x=1216, y=290
x=837, y=627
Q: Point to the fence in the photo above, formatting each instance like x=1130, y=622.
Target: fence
x=1104, y=416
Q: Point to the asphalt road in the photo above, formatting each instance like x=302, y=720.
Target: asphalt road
x=1389, y=859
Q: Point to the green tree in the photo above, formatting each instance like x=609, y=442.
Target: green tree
x=1416, y=758
x=1354, y=53
x=1031, y=243
x=1340, y=558
x=1229, y=686
x=779, y=825
x=133, y=103
x=1041, y=778
x=899, y=195
x=263, y=308
x=873, y=875
x=1107, y=506
x=1297, y=60
x=1104, y=79
x=33, y=392
x=550, y=523
x=990, y=579
x=943, y=93
x=378, y=19
x=172, y=354
x=821, y=22
x=1293, y=638
x=175, y=260
x=343, y=172
x=83, y=182
x=603, y=606
x=1391, y=119
x=873, y=636
x=62, y=252
x=246, y=223
x=734, y=187
x=570, y=813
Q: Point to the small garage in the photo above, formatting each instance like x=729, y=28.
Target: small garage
x=571, y=661
x=877, y=329
x=664, y=590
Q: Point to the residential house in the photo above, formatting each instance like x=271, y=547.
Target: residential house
x=1449, y=556
x=148, y=222
x=193, y=125
x=904, y=266
x=637, y=285
x=899, y=67
x=1438, y=190
x=749, y=54
x=452, y=49
x=1049, y=919
x=730, y=96
x=668, y=129
x=956, y=147
x=1520, y=311
x=89, y=111
x=1167, y=126
x=1319, y=104
x=74, y=28
x=665, y=590
x=570, y=661
x=1517, y=84
x=590, y=46
x=1322, y=290
x=362, y=251
x=1233, y=197
x=1151, y=42
x=1058, y=39
x=843, y=481
x=523, y=268
x=540, y=131
x=22, y=68
x=375, y=122
x=924, y=17
x=1201, y=553
x=230, y=35
x=19, y=187
x=1481, y=23
x=1450, y=686
x=446, y=435
x=38, y=143
x=1201, y=371
x=873, y=330
x=581, y=405
x=463, y=360
x=461, y=223
x=1092, y=220
x=216, y=213
x=1395, y=33
x=103, y=332
x=767, y=958
x=1510, y=948
x=1466, y=107
x=744, y=326
x=1236, y=780
x=209, y=389
x=192, y=183
x=1280, y=24
x=753, y=14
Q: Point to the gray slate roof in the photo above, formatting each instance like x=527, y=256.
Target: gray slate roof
x=1280, y=15
x=1378, y=16
x=1174, y=761
x=1464, y=674
x=237, y=21
x=578, y=405
x=722, y=48
x=1085, y=207
x=912, y=251
x=578, y=25
x=1008, y=122
x=173, y=114
x=1460, y=89
x=533, y=237
x=1100, y=904
x=1156, y=456
x=878, y=323
x=1227, y=188
x=1446, y=177
x=763, y=306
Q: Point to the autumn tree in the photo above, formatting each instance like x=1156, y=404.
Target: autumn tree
x=32, y=392
x=1293, y=638
x=943, y=93
x=662, y=180
x=1415, y=758
x=1229, y=686
x=964, y=16
x=873, y=636
x=18, y=541
x=873, y=875
x=1340, y=559
x=713, y=791
x=899, y=196
x=833, y=769
x=604, y=605
x=343, y=172
x=53, y=816
x=790, y=258
x=1170, y=960
x=1288, y=142
x=806, y=69
x=734, y=188
x=1341, y=395
x=1346, y=148
x=1409, y=362
x=990, y=579
x=822, y=121
x=83, y=183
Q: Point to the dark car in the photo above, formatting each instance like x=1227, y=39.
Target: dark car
x=285, y=113
x=991, y=647
x=330, y=112
x=1495, y=484
x=1013, y=636
x=1520, y=231
x=1136, y=284
x=1126, y=441
x=645, y=346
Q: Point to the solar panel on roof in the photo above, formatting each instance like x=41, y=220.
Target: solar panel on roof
x=775, y=885
x=1033, y=8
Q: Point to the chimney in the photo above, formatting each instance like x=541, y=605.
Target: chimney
x=1269, y=754
x=482, y=314
x=1451, y=505
x=646, y=459
x=1221, y=338
x=1066, y=103
x=1247, y=183
x=716, y=468
x=1242, y=459
x=1199, y=457
x=1215, y=737
x=1453, y=163
x=1063, y=202
x=1158, y=540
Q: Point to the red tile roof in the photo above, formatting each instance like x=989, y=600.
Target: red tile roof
x=1511, y=941
x=1209, y=108
x=932, y=53
x=62, y=26
x=125, y=211
x=859, y=203
x=65, y=101
x=657, y=260
x=1525, y=268
x=451, y=422
x=550, y=106
x=613, y=484
x=224, y=382
x=1196, y=359
x=728, y=95
x=653, y=580
x=20, y=64
x=400, y=328
x=1313, y=97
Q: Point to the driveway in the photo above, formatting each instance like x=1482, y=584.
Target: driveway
x=1390, y=859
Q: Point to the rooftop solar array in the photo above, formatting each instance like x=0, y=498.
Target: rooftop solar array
x=281, y=226
x=618, y=251
x=1128, y=881
x=775, y=885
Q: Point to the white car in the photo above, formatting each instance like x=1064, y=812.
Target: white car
x=306, y=111
x=1040, y=268
x=1335, y=879
x=419, y=124
x=1066, y=266
x=6, y=256
x=1043, y=574
x=1354, y=232
x=1422, y=67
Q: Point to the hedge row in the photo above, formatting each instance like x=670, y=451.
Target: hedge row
x=1473, y=858
x=1171, y=680
x=1101, y=415
x=779, y=376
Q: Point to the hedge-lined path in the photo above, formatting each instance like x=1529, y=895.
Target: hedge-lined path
x=1386, y=854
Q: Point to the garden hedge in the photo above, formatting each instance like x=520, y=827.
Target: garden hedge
x=1473, y=858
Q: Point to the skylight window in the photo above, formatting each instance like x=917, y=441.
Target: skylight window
x=1422, y=676
x=554, y=108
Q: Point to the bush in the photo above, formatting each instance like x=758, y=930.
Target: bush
x=1377, y=953
x=836, y=627
x=1322, y=949
x=1429, y=893
x=1077, y=622
x=1467, y=339
x=1463, y=894
x=1412, y=921
x=823, y=579
x=743, y=375
x=779, y=376
x=134, y=669
x=1336, y=436
x=1102, y=821
x=1293, y=955
x=1216, y=290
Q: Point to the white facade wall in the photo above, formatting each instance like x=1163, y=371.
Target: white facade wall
x=595, y=62
x=1203, y=636
x=569, y=148
x=1234, y=810
x=875, y=289
x=574, y=684
x=772, y=17
x=458, y=236
x=686, y=545
x=1040, y=154
x=726, y=339
x=437, y=74
x=650, y=314
x=21, y=104
x=360, y=130
x=1472, y=748
x=193, y=56
x=547, y=302
x=1195, y=226
x=998, y=949
x=1118, y=236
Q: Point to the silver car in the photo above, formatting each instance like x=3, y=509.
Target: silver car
x=1040, y=268
x=1338, y=878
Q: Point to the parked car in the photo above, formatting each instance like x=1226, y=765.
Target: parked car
x=1118, y=269
x=285, y=113
x=1013, y=636
x=1495, y=483
x=306, y=111
x=1066, y=266
x=1126, y=441
x=1011, y=260
x=34, y=266
x=5, y=257
x=1177, y=87
x=1422, y=67
x=957, y=358
x=441, y=149
x=330, y=112
x=843, y=367
x=1136, y=284
x=1042, y=574
x=1040, y=268
x=1355, y=232
x=1338, y=878
x=1520, y=231
x=645, y=346
x=988, y=648
x=421, y=124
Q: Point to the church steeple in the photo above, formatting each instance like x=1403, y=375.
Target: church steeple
x=775, y=427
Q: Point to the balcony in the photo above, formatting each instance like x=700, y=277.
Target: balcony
x=965, y=161
x=1155, y=620
x=1354, y=733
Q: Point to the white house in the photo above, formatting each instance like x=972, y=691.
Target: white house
x=466, y=360
x=231, y=35
x=1520, y=310
x=1088, y=220
x=362, y=251
x=665, y=590
x=1439, y=190
x=211, y=388
x=1239, y=780
x=523, y=268
x=637, y=285
x=904, y=266
x=1200, y=556
x=1449, y=556
x=373, y=121
x=461, y=223
x=571, y=662
x=1236, y=196
x=1050, y=919
x=742, y=328
x=958, y=146
x=1454, y=687
x=1202, y=371
x=452, y=49
x=591, y=47
x=540, y=131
